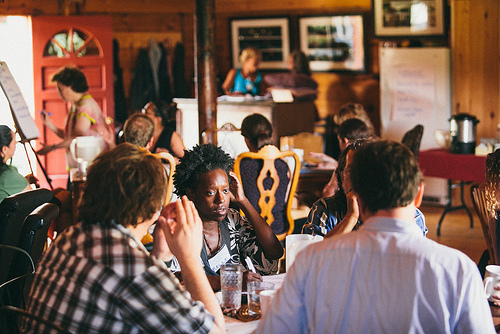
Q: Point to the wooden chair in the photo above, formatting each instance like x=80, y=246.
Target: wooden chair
x=480, y=205
x=226, y=137
x=267, y=200
x=412, y=139
x=166, y=158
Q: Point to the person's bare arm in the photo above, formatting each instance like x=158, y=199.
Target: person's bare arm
x=177, y=145
x=350, y=220
x=48, y=123
x=270, y=244
x=229, y=82
x=183, y=233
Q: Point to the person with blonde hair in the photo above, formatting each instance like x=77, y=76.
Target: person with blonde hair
x=247, y=79
x=353, y=110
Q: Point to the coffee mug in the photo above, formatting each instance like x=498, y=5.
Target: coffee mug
x=492, y=279
x=266, y=297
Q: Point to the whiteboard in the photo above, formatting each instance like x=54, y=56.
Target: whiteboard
x=25, y=124
x=414, y=89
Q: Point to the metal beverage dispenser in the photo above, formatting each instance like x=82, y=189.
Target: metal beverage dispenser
x=463, y=133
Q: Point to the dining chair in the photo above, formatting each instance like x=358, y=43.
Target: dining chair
x=9, y=289
x=412, y=139
x=168, y=160
x=267, y=197
x=33, y=240
x=13, y=211
x=227, y=137
x=13, y=317
x=488, y=224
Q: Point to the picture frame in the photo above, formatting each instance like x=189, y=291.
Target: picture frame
x=333, y=43
x=408, y=18
x=269, y=35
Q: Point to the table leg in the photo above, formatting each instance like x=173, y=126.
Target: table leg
x=450, y=208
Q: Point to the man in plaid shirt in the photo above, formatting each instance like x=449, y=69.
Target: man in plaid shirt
x=97, y=277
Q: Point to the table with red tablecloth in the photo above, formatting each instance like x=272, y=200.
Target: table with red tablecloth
x=464, y=168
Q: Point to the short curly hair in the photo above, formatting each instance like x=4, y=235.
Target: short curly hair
x=125, y=185
x=72, y=77
x=198, y=161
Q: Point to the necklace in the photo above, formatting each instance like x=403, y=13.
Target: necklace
x=218, y=242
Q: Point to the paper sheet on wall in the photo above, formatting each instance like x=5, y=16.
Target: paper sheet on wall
x=20, y=112
x=413, y=93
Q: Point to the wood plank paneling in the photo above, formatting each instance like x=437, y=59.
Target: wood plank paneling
x=475, y=57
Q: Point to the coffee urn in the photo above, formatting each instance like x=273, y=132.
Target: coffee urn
x=463, y=133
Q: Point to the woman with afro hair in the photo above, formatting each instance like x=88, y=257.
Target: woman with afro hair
x=205, y=175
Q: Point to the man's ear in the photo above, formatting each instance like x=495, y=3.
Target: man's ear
x=420, y=195
x=149, y=145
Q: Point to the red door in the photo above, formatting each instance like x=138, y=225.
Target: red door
x=82, y=41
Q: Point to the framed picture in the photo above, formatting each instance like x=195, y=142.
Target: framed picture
x=408, y=18
x=333, y=43
x=269, y=35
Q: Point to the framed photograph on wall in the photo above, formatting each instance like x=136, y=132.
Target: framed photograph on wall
x=269, y=35
x=408, y=18
x=333, y=43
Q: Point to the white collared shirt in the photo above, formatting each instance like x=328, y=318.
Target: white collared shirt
x=383, y=278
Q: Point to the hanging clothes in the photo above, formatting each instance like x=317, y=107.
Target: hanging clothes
x=119, y=92
x=179, y=72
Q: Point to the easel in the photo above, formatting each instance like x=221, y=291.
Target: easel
x=25, y=141
x=24, y=123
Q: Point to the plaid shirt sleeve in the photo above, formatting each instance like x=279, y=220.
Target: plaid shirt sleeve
x=155, y=302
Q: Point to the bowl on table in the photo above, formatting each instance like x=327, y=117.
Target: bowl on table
x=443, y=138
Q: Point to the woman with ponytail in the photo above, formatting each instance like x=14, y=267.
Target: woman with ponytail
x=11, y=182
x=258, y=133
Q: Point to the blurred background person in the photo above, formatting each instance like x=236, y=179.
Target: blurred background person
x=11, y=182
x=165, y=138
x=258, y=133
x=84, y=117
x=298, y=80
x=247, y=79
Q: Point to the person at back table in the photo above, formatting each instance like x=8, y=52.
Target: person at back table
x=384, y=278
x=247, y=79
x=165, y=138
x=339, y=213
x=97, y=277
x=298, y=80
x=258, y=133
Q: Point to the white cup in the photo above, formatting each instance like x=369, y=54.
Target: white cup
x=294, y=243
x=266, y=297
x=492, y=279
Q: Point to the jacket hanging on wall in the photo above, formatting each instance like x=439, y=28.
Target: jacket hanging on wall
x=150, y=81
x=120, y=102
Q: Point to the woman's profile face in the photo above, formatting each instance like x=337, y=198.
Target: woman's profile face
x=65, y=92
x=252, y=63
x=149, y=110
x=212, y=195
x=9, y=150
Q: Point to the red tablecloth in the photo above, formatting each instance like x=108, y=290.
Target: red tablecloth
x=446, y=165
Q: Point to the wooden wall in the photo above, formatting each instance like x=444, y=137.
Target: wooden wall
x=474, y=38
x=475, y=57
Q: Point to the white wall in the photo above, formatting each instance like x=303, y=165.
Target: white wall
x=17, y=51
